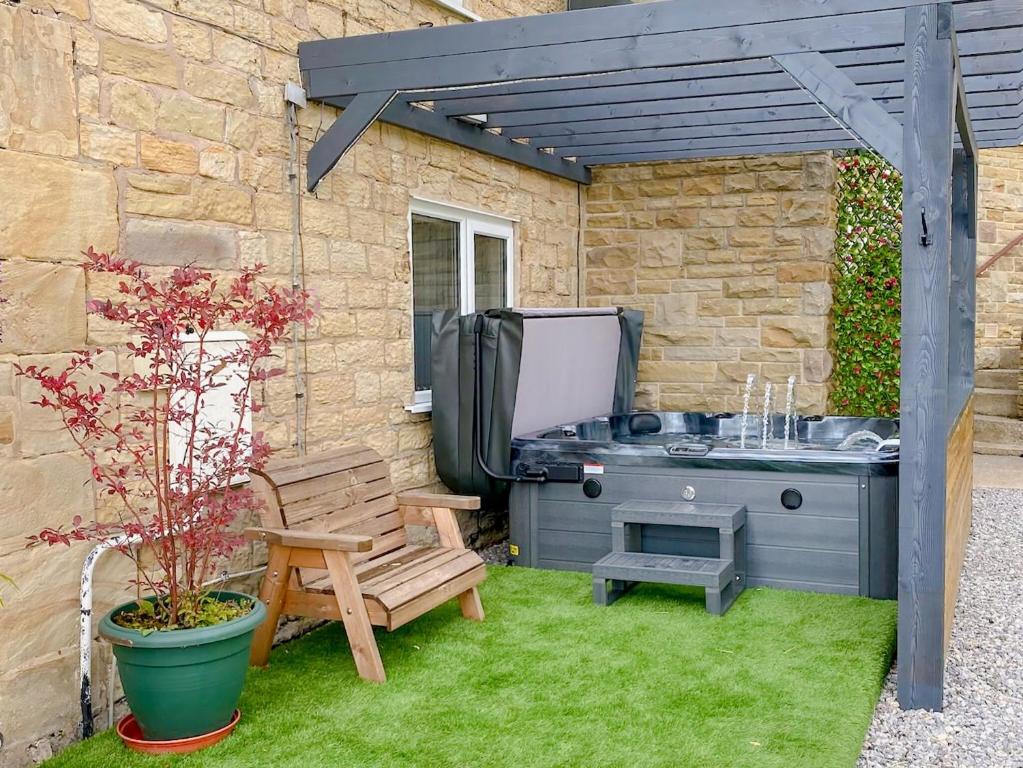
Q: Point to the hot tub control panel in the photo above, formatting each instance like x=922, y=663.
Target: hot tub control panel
x=554, y=472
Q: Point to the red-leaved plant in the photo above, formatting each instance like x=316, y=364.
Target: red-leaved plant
x=178, y=509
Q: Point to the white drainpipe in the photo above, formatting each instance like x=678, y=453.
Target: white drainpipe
x=85, y=628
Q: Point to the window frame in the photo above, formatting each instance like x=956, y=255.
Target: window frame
x=470, y=223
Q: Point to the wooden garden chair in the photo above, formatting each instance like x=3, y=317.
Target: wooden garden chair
x=339, y=549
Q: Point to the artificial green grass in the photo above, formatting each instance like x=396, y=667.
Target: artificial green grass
x=784, y=679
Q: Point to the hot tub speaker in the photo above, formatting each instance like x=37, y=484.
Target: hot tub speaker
x=791, y=498
x=592, y=488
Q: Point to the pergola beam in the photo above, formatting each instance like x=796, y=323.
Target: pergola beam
x=694, y=154
x=926, y=258
x=723, y=145
x=474, y=137
x=675, y=119
x=565, y=144
x=603, y=24
x=963, y=126
x=847, y=101
x=765, y=103
x=642, y=50
x=1008, y=43
x=773, y=83
x=683, y=82
x=676, y=98
x=488, y=54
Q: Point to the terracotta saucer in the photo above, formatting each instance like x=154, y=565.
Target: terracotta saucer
x=130, y=733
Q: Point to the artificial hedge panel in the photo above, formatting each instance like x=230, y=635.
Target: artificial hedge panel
x=867, y=296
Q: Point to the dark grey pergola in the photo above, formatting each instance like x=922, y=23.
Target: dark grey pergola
x=925, y=85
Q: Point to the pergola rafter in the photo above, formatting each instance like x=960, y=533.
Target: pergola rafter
x=924, y=84
x=688, y=82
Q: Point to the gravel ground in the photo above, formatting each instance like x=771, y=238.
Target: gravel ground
x=982, y=724
x=496, y=554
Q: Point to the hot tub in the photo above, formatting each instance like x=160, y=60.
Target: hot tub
x=821, y=503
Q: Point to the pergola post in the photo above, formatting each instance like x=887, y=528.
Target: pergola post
x=963, y=290
x=928, y=127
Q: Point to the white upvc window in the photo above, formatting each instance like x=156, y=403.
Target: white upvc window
x=458, y=7
x=461, y=259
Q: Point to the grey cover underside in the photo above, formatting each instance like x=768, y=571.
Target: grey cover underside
x=567, y=370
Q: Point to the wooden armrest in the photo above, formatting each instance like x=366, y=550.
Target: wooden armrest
x=336, y=542
x=441, y=518
x=447, y=500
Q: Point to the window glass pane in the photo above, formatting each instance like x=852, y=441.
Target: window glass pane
x=434, y=283
x=491, y=272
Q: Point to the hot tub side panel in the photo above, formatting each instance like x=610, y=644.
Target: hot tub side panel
x=841, y=539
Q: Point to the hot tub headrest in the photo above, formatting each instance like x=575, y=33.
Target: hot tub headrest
x=644, y=424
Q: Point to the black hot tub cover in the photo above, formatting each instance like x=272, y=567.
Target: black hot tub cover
x=539, y=368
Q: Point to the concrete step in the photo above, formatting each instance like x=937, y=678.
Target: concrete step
x=998, y=431
x=997, y=449
x=989, y=401
x=997, y=378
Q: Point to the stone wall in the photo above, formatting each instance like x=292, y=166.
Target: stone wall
x=731, y=261
x=156, y=129
x=1000, y=289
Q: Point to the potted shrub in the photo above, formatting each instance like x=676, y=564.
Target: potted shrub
x=182, y=647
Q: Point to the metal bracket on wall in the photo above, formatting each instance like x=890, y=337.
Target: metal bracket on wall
x=295, y=94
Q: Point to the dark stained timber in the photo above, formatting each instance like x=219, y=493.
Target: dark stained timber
x=847, y=101
x=473, y=137
x=343, y=133
x=963, y=290
x=692, y=154
x=977, y=50
x=689, y=82
x=926, y=257
x=838, y=136
x=626, y=21
x=633, y=52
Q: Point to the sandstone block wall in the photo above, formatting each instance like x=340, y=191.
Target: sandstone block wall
x=1000, y=289
x=157, y=130
x=731, y=260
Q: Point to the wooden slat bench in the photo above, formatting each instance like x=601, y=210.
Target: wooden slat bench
x=339, y=550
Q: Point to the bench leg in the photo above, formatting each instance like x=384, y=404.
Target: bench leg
x=271, y=593
x=471, y=605
x=355, y=617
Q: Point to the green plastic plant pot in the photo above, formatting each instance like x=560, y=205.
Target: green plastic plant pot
x=184, y=682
